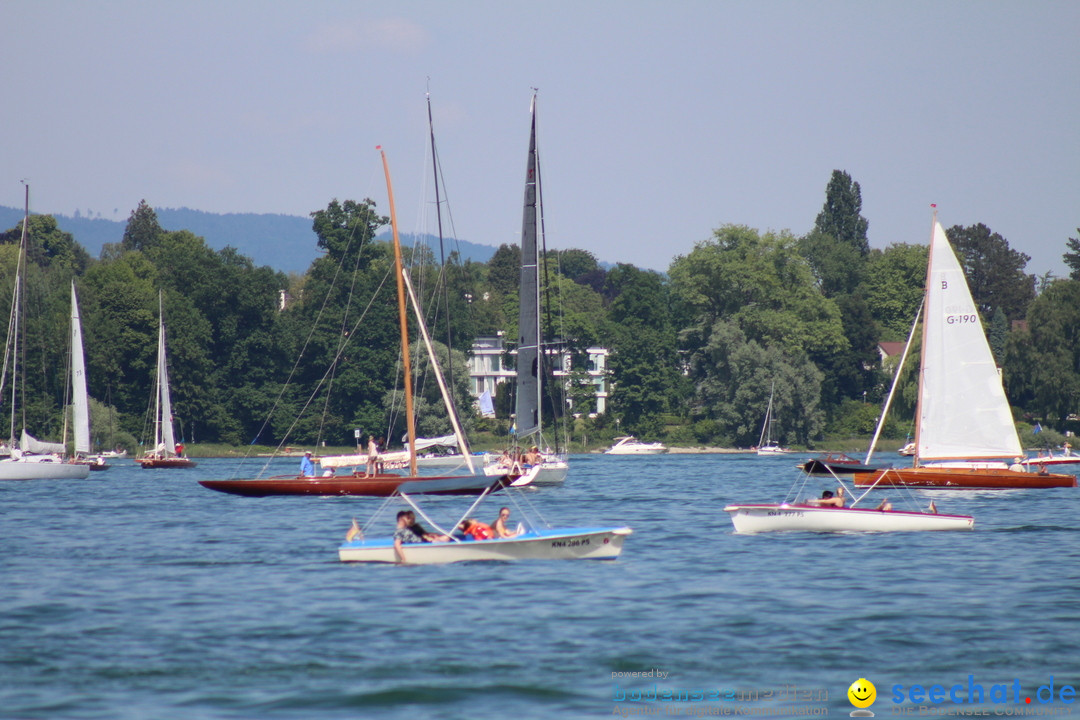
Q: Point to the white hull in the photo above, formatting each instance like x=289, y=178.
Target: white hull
x=565, y=544
x=1053, y=460
x=629, y=446
x=777, y=518
x=550, y=472
x=772, y=450
x=42, y=470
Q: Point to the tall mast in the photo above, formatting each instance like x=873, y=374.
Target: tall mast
x=442, y=252
x=926, y=322
x=403, y=320
x=14, y=327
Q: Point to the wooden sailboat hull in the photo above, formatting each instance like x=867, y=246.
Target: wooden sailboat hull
x=811, y=518
x=836, y=464
x=959, y=478
x=357, y=484
x=165, y=463
x=553, y=544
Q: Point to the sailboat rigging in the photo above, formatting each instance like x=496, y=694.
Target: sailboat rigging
x=766, y=444
x=964, y=431
x=32, y=459
x=548, y=466
x=166, y=452
x=376, y=484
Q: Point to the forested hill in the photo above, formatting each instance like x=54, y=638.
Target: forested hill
x=284, y=242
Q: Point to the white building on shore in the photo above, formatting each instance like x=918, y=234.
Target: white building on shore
x=491, y=365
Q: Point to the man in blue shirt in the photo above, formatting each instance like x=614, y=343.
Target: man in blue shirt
x=307, y=468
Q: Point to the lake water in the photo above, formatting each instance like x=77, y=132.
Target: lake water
x=138, y=594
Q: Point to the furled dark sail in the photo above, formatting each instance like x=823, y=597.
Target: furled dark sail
x=527, y=405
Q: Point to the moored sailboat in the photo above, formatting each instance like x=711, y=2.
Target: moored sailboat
x=33, y=459
x=534, y=376
x=964, y=431
x=166, y=453
x=378, y=484
x=766, y=444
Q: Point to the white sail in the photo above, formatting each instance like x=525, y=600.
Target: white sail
x=167, y=438
x=80, y=399
x=963, y=411
x=30, y=444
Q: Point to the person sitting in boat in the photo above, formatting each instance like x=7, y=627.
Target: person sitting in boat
x=499, y=526
x=476, y=530
x=827, y=499
x=328, y=472
x=179, y=449
x=307, y=468
x=1018, y=465
x=884, y=505
x=532, y=457
x=418, y=530
x=404, y=534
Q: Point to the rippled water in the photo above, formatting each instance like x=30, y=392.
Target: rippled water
x=139, y=594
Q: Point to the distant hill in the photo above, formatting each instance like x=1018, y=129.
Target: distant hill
x=284, y=242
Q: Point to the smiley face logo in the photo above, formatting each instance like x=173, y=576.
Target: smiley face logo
x=862, y=693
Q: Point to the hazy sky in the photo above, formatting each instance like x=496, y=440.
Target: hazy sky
x=658, y=121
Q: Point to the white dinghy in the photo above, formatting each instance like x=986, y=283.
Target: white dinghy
x=802, y=513
x=532, y=542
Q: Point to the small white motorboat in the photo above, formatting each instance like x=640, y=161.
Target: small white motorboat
x=531, y=543
x=753, y=518
x=629, y=445
x=798, y=512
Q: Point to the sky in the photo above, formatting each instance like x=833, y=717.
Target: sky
x=658, y=121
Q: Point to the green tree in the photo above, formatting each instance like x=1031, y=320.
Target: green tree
x=345, y=228
x=1042, y=368
x=504, y=269
x=758, y=293
x=574, y=263
x=838, y=266
x=644, y=362
x=1072, y=258
x=143, y=230
x=841, y=216
x=894, y=287
x=995, y=272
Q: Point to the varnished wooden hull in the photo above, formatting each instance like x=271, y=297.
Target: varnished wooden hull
x=359, y=484
x=959, y=478
x=165, y=463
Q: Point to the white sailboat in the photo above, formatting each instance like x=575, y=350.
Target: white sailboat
x=766, y=444
x=33, y=459
x=165, y=452
x=965, y=436
x=532, y=359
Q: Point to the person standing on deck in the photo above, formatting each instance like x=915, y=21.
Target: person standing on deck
x=372, y=455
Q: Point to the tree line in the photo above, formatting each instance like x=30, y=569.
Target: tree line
x=258, y=356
